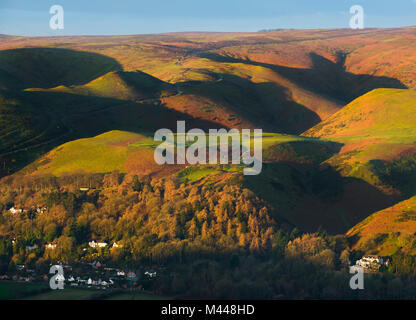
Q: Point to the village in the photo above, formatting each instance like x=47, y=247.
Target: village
x=94, y=275
x=88, y=275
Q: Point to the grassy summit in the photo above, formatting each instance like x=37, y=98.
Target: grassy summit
x=388, y=114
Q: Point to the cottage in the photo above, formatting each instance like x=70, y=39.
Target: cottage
x=371, y=263
x=86, y=189
x=50, y=246
x=41, y=209
x=94, y=244
x=150, y=274
x=14, y=210
x=116, y=245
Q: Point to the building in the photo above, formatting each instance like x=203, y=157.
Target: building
x=50, y=246
x=116, y=245
x=14, y=210
x=94, y=244
x=41, y=209
x=150, y=274
x=371, y=263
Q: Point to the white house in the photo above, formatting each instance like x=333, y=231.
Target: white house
x=50, y=245
x=30, y=248
x=371, y=263
x=150, y=274
x=121, y=273
x=368, y=261
x=94, y=244
x=14, y=210
x=41, y=209
x=116, y=245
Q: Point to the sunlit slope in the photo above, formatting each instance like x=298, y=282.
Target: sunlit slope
x=114, y=150
x=381, y=113
x=127, y=151
x=378, y=133
x=388, y=230
x=120, y=85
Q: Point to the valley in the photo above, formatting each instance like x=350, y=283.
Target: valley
x=337, y=108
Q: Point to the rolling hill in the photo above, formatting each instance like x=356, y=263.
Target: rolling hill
x=378, y=134
x=119, y=85
x=388, y=230
x=335, y=149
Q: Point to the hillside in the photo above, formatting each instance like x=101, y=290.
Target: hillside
x=388, y=114
x=49, y=67
x=119, y=85
x=284, y=81
x=388, y=230
x=97, y=110
x=378, y=134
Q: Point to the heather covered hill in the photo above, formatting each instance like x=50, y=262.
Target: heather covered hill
x=381, y=113
x=356, y=154
x=338, y=179
x=119, y=85
x=378, y=134
x=387, y=231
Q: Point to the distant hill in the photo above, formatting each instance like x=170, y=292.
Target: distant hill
x=49, y=67
x=120, y=85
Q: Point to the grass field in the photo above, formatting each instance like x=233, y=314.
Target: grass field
x=25, y=291
x=15, y=290
x=88, y=294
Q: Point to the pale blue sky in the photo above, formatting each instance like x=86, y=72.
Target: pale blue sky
x=112, y=17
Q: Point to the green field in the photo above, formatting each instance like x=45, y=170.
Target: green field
x=15, y=290
x=25, y=291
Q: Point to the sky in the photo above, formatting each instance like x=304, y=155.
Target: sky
x=117, y=17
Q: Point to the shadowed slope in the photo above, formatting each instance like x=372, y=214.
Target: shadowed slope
x=49, y=67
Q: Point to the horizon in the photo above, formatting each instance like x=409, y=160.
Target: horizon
x=105, y=18
x=204, y=32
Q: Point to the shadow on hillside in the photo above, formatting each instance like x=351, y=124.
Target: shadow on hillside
x=325, y=77
x=77, y=116
x=50, y=67
x=266, y=105
x=312, y=196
